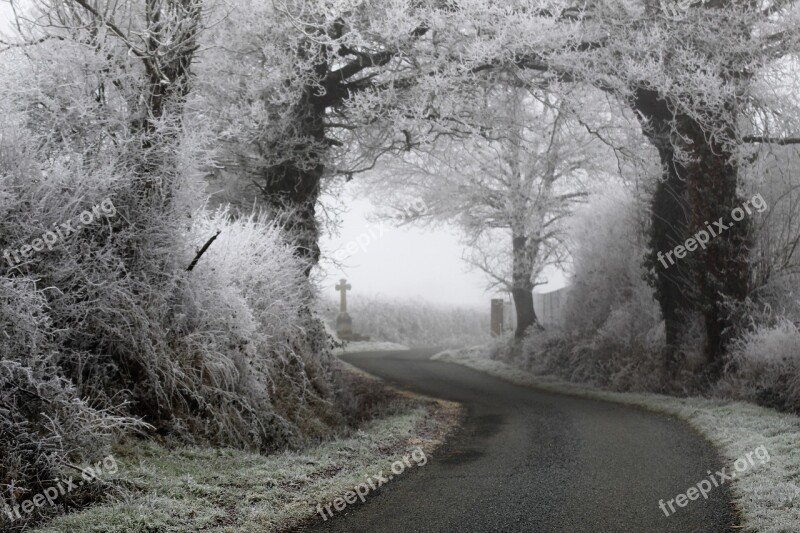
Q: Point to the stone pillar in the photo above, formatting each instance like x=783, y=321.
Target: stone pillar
x=497, y=317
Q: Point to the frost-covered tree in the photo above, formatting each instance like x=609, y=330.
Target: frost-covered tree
x=508, y=186
x=328, y=86
x=693, y=73
x=139, y=72
x=776, y=233
x=281, y=81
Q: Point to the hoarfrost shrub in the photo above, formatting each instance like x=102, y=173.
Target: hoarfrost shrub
x=127, y=324
x=764, y=366
x=615, y=334
x=249, y=290
x=44, y=422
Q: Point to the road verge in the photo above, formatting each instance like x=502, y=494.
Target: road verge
x=199, y=488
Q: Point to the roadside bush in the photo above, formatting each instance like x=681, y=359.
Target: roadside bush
x=613, y=334
x=764, y=360
x=44, y=421
x=622, y=364
x=106, y=331
x=764, y=367
x=250, y=309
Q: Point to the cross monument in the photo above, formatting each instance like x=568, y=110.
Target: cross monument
x=343, y=287
x=344, y=324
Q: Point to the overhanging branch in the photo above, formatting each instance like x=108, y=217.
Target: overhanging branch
x=782, y=141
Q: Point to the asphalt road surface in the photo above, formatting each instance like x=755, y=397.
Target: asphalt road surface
x=527, y=460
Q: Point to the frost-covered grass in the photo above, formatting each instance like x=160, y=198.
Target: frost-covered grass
x=190, y=489
x=768, y=497
x=369, y=346
x=411, y=322
x=342, y=347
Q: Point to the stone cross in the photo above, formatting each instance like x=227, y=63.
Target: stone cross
x=343, y=287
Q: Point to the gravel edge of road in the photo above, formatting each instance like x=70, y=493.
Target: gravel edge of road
x=767, y=497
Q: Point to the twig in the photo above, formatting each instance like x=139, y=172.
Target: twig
x=202, y=251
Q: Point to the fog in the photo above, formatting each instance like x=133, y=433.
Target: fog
x=407, y=262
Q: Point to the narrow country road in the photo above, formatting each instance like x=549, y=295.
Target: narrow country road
x=532, y=461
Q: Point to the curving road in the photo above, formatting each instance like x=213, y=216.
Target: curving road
x=527, y=460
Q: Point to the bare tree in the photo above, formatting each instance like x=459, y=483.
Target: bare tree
x=508, y=187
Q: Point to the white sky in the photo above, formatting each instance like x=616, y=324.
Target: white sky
x=5, y=15
x=406, y=262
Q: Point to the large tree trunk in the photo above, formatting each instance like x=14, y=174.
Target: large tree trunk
x=689, y=198
x=292, y=192
x=722, y=269
x=674, y=285
x=526, y=315
x=522, y=289
x=292, y=188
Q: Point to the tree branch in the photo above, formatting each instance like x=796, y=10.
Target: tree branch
x=202, y=251
x=151, y=68
x=754, y=139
